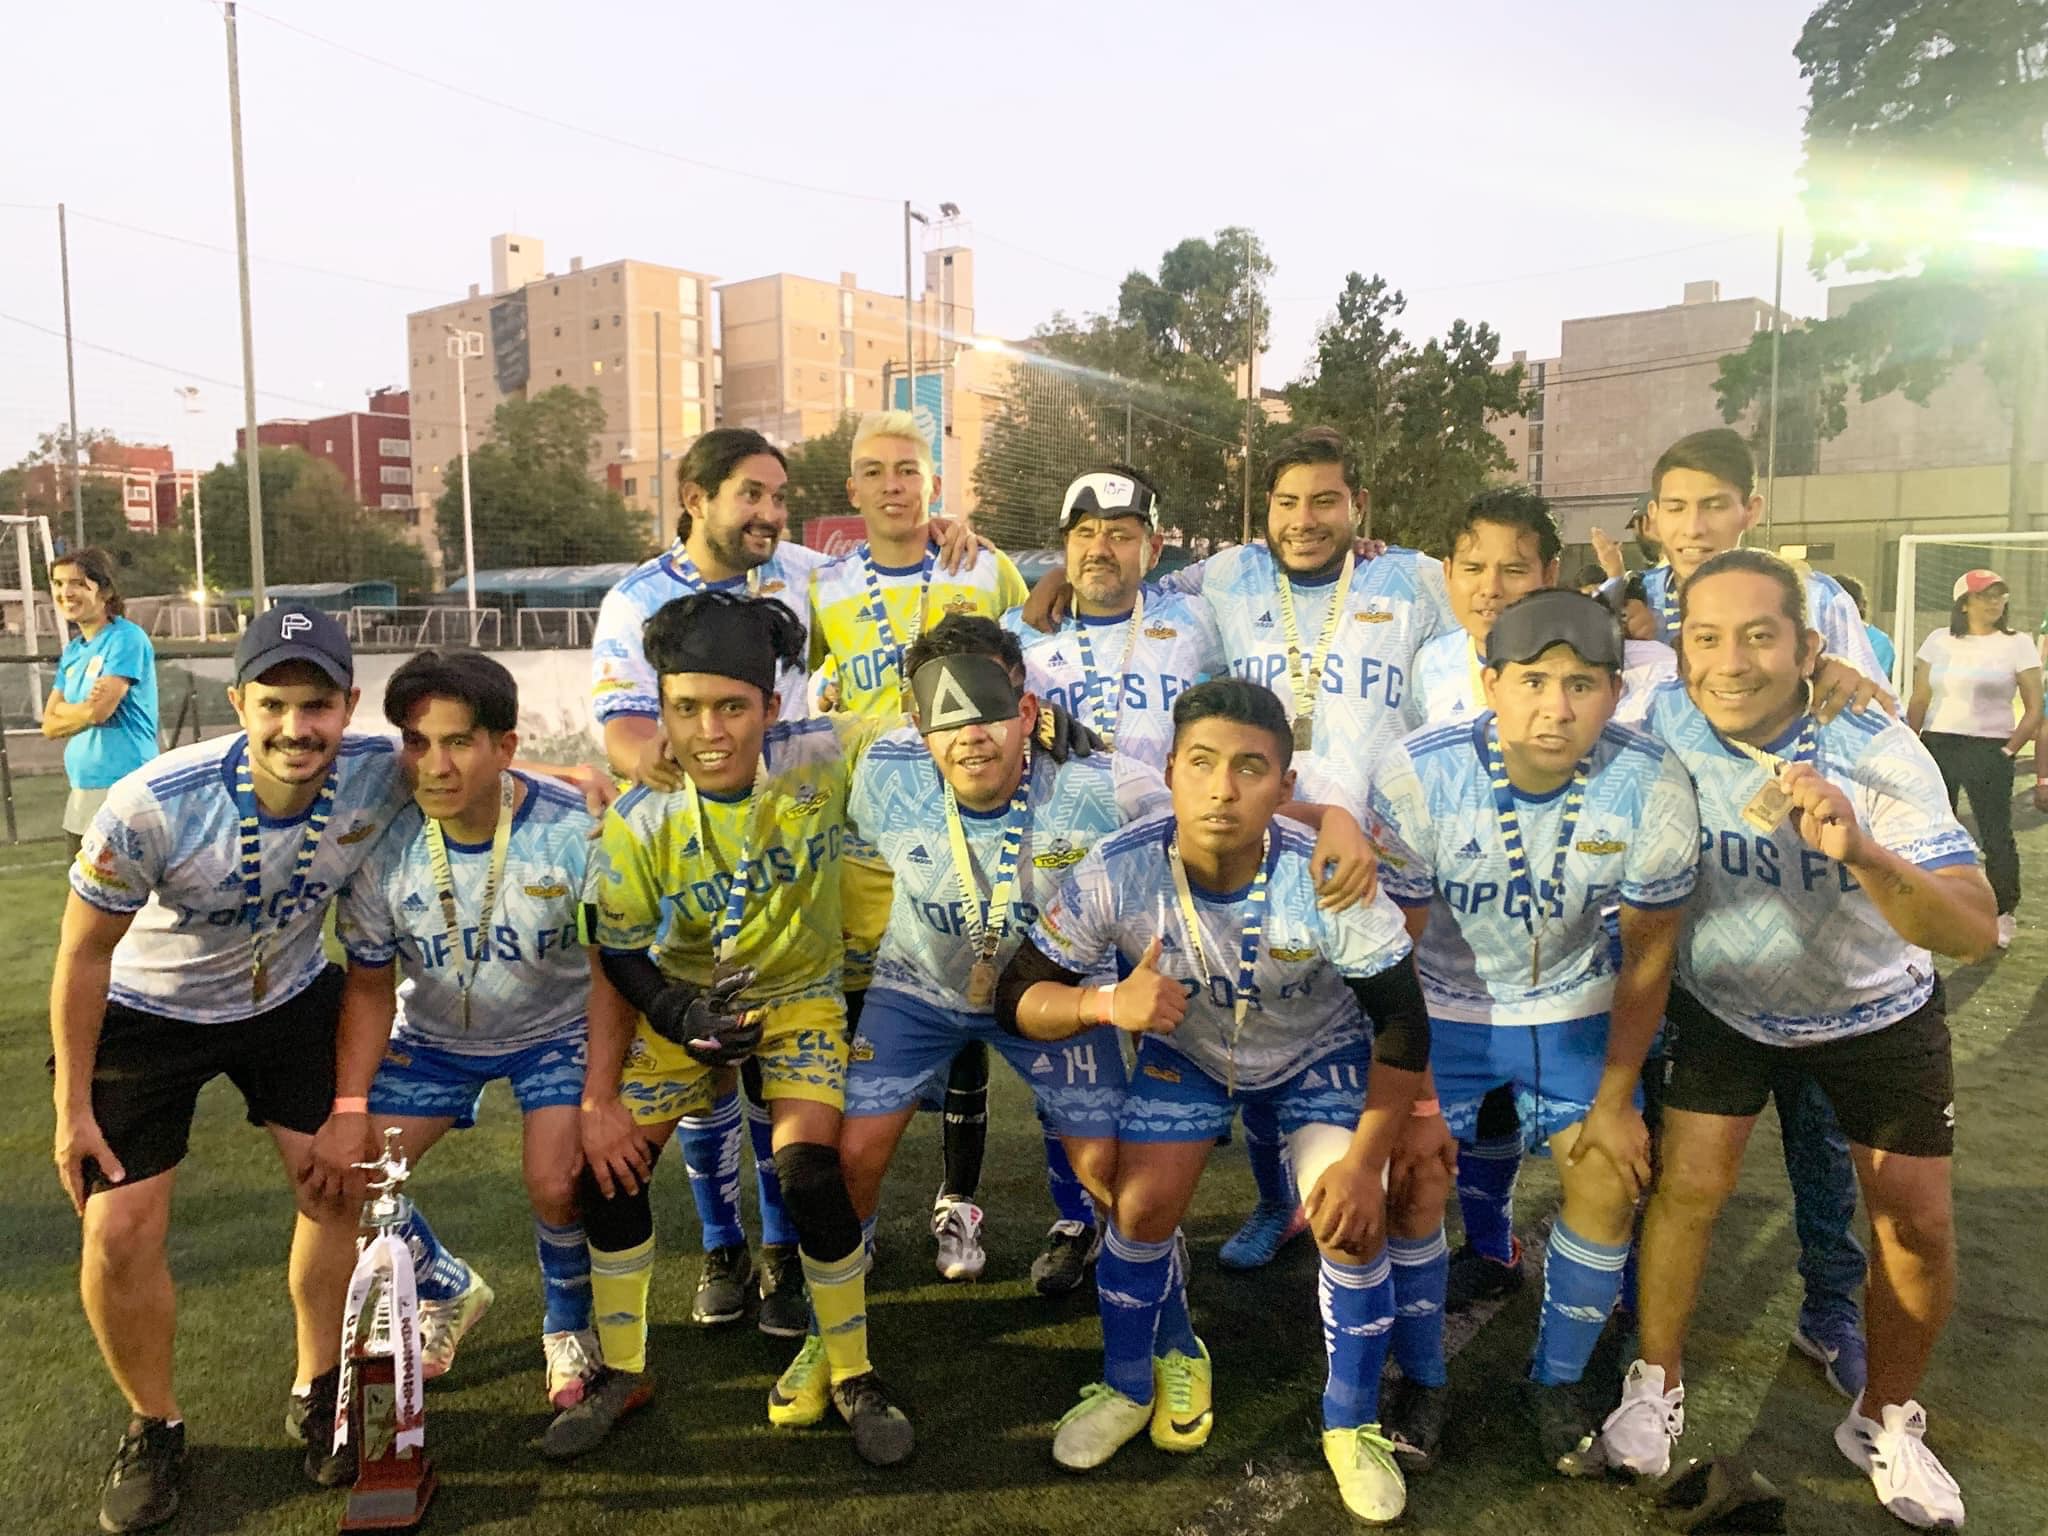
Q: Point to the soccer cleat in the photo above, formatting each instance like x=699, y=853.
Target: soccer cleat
x=309, y=1418
x=1097, y=1427
x=956, y=1223
x=804, y=1388
x=607, y=1398
x=1063, y=1263
x=1910, y=1480
x=1414, y=1424
x=882, y=1435
x=141, y=1487
x=443, y=1324
x=2008, y=930
x=785, y=1310
x=1639, y=1434
x=1183, y=1400
x=1474, y=1277
x=1565, y=1433
x=1368, y=1477
x=1837, y=1343
x=1265, y=1232
x=573, y=1359
x=722, y=1286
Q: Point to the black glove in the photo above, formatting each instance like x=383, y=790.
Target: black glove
x=703, y=1021
x=1061, y=736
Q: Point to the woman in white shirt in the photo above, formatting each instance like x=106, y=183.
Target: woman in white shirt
x=1964, y=684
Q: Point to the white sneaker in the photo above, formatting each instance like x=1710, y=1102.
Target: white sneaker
x=1097, y=1427
x=1910, y=1480
x=443, y=1323
x=956, y=1224
x=1639, y=1434
x=2008, y=925
x=573, y=1359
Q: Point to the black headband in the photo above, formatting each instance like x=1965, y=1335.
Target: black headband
x=952, y=691
x=1556, y=616
x=727, y=641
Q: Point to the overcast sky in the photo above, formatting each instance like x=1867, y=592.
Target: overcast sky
x=1514, y=163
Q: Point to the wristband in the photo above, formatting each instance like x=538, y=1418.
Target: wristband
x=353, y=1105
x=1427, y=1109
x=1107, y=994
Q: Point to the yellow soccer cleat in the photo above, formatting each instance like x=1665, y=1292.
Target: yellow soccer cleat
x=1183, y=1400
x=1368, y=1477
x=804, y=1390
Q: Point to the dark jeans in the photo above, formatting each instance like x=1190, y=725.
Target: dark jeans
x=1976, y=764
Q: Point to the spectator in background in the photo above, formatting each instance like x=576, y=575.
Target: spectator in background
x=1637, y=622
x=103, y=707
x=1964, y=684
x=1591, y=578
x=1880, y=642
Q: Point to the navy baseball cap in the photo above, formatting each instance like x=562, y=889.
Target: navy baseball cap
x=1531, y=625
x=295, y=632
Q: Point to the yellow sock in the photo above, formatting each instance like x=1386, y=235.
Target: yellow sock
x=839, y=1295
x=618, y=1294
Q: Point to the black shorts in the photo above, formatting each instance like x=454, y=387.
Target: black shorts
x=1892, y=1089
x=149, y=1070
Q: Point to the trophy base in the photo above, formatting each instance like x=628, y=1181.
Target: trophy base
x=388, y=1506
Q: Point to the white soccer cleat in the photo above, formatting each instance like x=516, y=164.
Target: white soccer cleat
x=1910, y=1480
x=573, y=1359
x=956, y=1223
x=1097, y=1427
x=1639, y=1434
x=443, y=1323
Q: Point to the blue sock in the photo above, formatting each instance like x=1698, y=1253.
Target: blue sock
x=711, y=1157
x=1358, y=1326
x=1486, y=1194
x=437, y=1274
x=1070, y=1197
x=1176, y=1329
x=1421, y=1265
x=564, y=1277
x=1581, y=1278
x=1267, y=1149
x=776, y=1227
x=1131, y=1283
x=867, y=1236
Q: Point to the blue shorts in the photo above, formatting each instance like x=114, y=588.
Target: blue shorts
x=904, y=1042
x=1172, y=1099
x=1554, y=1070
x=428, y=1083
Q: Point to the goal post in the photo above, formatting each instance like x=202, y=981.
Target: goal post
x=1930, y=563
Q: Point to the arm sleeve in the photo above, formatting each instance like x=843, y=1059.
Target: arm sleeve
x=362, y=917
x=1140, y=788
x=637, y=977
x=129, y=653
x=621, y=682
x=1400, y=1018
x=1207, y=650
x=821, y=652
x=1899, y=795
x=125, y=850
x=1433, y=614
x=1076, y=929
x=1400, y=827
x=1187, y=581
x=628, y=898
x=1027, y=968
x=1663, y=858
x=1842, y=627
x=1010, y=588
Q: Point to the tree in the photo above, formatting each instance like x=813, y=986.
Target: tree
x=147, y=563
x=313, y=529
x=533, y=499
x=1204, y=298
x=819, y=468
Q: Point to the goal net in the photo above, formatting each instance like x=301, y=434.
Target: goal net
x=1929, y=566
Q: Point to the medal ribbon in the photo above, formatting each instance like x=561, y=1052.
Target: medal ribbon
x=1804, y=749
x=252, y=862
x=1511, y=835
x=444, y=886
x=989, y=921
x=1306, y=684
x=1105, y=720
x=1248, y=939
x=727, y=930
x=882, y=620
x=688, y=574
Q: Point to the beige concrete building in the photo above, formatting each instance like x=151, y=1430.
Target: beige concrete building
x=638, y=332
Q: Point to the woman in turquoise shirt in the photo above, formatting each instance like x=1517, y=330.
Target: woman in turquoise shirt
x=103, y=707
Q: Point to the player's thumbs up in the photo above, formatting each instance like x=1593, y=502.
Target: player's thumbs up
x=1148, y=1000
x=1149, y=961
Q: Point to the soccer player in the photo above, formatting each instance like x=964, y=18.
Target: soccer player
x=1509, y=837
x=1117, y=662
x=1831, y=865
x=477, y=892
x=1240, y=988
x=718, y=917
x=191, y=948
x=868, y=608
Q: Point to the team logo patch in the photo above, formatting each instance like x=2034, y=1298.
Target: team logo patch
x=808, y=801
x=1164, y=1074
x=1060, y=855
x=356, y=833
x=1290, y=956
x=547, y=890
x=100, y=871
x=959, y=605
x=1161, y=632
x=768, y=587
x=863, y=1048
x=1373, y=616
x=1601, y=845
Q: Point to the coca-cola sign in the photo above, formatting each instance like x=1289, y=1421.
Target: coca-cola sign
x=835, y=536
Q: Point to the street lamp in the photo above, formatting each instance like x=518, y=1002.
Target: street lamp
x=909, y=324
x=463, y=345
x=189, y=393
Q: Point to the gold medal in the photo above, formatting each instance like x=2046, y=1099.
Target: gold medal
x=259, y=981
x=1535, y=958
x=1304, y=733
x=1768, y=808
x=981, y=985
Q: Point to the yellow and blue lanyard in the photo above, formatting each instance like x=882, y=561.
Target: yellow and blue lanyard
x=252, y=864
x=444, y=886
x=1093, y=685
x=1518, y=854
x=726, y=931
x=883, y=625
x=1247, y=943
x=989, y=920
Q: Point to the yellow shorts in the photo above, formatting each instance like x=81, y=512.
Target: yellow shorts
x=865, y=889
x=803, y=1053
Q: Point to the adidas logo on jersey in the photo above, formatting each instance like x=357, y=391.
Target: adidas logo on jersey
x=1470, y=850
x=1041, y=1066
x=1265, y=620
x=917, y=855
x=691, y=849
x=413, y=903
x=1168, y=944
x=231, y=881
x=1312, y=1078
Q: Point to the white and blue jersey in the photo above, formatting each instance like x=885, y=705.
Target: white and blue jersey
x=1121, y=896
x=1636, y=841
x=1140, y=675
x=1783, y=943
x=621, y=682
x=533, y=983
x=1829, y=609
x=899, y=807
x=166, y=847
x=1447, y=675
x=1369, y=698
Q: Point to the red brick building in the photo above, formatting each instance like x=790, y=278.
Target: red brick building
x=372, y=448
x=144, y=474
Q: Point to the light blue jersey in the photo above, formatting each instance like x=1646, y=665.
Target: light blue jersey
x=100, y=755
x=1369, y=699
x=1121, y=896
x=1434, y=817
x=899, y=807
x=1139, y=674
x=167, y=847
x=533, y=983
x=621, y=682
x=1829, y=609
x=1784, y=944
x=1447, y=675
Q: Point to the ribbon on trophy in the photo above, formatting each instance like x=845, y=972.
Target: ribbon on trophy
x=386, y=1259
